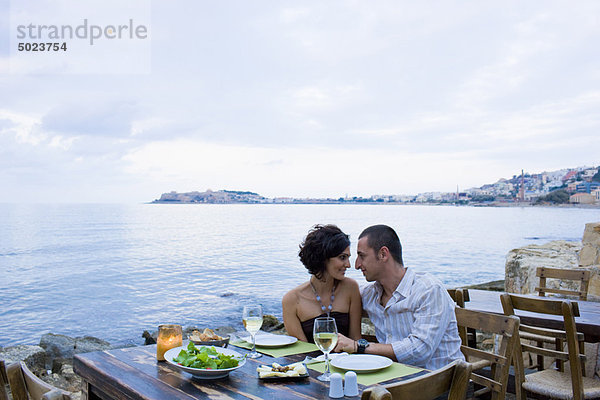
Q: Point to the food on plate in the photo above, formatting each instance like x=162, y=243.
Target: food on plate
x=296, y=369
x=205, y=357
x=205, y=336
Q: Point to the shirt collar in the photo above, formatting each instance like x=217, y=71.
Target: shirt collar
x=406, y=283
x=403, y=289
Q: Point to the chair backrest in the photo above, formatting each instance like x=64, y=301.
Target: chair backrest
x=573, y=355
x=25, y=385
x=453, y=378
x=583, y=276
x=3, y=381
x=460, y=296
x=499, y=360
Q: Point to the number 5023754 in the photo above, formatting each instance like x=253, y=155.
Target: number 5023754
x=42, y=46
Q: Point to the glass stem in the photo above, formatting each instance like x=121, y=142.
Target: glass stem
x=253, y=343
x=327, y=363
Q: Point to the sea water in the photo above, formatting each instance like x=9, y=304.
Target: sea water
x=112, y=271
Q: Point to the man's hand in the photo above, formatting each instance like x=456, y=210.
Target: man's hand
x=345, y=344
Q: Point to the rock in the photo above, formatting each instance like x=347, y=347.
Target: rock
x=590, y=252
x=33, y=356
x=58, y=345
x=367, y=327
x=88, y=344
x=270, y=322
x=496, y=286
x=594, y=284
x=150, y=338
x=521, y=263
x=61, y=346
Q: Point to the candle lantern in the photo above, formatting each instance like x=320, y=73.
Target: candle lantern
x=169, y=336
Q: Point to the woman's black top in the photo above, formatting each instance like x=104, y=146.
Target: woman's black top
x=342, y=321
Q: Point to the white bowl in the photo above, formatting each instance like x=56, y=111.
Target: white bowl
x=204, y=373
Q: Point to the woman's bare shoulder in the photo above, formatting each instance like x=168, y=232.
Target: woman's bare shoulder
x=349, y=283
x=294, y=294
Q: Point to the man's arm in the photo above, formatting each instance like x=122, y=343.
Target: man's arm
x=349, y=346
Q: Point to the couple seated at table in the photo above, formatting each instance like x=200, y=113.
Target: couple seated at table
x=412, y=312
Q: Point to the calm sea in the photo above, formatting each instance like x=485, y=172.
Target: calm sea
x=112, y=271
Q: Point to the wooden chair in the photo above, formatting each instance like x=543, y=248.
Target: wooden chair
x=460, y=296
x=499, y=361
x=3, y=382
x=25, y=385
x=554, y=383
x=583, y=276
x=453, y=378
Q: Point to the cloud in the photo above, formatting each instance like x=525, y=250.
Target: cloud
x=384, y=97
x=89, y=117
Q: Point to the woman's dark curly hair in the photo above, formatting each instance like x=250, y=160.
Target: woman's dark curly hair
x=322, y=243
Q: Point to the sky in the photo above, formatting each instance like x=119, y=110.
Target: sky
x=296, y=98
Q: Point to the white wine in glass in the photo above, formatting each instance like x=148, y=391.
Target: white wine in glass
x=325, y=336
x=253, y=320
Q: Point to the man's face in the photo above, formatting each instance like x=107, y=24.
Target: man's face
x=366, y=260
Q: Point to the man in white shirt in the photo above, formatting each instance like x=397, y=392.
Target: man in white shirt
x=412, y=312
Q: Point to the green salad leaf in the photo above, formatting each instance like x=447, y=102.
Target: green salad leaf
x=205, y=357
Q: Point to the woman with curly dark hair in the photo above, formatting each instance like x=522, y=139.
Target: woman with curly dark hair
x=325, y=253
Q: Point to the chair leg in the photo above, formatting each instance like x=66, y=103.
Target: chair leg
x=519, y=372
x=560, y=364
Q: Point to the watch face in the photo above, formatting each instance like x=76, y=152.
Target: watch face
x=363, y=342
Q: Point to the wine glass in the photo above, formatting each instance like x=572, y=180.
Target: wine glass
x=325, y=336
x=253, y=320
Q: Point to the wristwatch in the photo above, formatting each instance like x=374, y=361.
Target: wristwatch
x=361, y=346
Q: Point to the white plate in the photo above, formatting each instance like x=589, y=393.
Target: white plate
x=274, y=340
x=361, y=362
x=271, y=340
x=204, y=373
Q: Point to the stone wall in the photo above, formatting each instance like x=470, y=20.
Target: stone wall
x=521, y=263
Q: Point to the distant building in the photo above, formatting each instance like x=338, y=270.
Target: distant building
x=587, y=187
x=569, y=175
x=589, y=173
x=582, y=198
x=572, y=187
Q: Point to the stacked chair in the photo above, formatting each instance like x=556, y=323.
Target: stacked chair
x=555, y=382
x=583, y=276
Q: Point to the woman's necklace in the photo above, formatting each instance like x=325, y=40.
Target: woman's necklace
x=330, y=306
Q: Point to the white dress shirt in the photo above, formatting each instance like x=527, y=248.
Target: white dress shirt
x=418, y=320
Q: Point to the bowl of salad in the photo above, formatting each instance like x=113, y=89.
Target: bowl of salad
x=205, y=362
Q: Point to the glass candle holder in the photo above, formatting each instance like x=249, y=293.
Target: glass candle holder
x=169, y=336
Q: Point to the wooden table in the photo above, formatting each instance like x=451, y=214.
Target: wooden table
x=134, y=373
x=588, y=323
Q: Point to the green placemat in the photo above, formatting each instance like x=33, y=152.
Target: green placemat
x=297, y=348
x=395, y=370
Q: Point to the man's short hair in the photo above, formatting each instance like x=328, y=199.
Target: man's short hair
x=382, y=235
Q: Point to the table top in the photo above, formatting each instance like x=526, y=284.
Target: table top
x=588, y=322
x=134, y=373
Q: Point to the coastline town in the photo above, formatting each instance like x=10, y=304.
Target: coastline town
x=577, y=186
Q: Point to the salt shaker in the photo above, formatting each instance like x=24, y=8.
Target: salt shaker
x=350, y=384
x=335, y=386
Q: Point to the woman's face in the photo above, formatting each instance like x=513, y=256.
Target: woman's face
x=336, y=266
